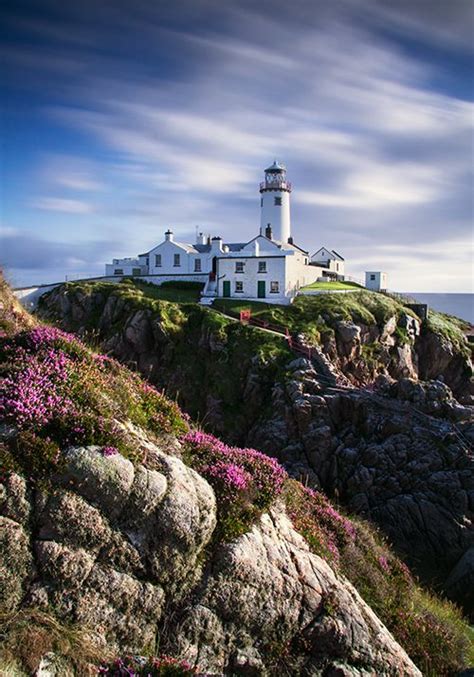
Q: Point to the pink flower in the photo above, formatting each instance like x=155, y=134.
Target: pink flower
x=109, y=451
x=233, y=476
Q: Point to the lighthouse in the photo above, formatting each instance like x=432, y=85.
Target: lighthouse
x=275, y=203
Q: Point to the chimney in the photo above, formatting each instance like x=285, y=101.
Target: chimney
x=169, y=235
x=216, y=244
x=208, y=239
x=268, y=231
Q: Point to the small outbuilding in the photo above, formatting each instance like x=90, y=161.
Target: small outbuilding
x=376, y=280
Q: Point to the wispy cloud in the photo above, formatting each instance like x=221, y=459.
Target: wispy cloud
x=66, y=205
x=180, y=130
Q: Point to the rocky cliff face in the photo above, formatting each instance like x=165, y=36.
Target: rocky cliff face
x=394, y=456
x=383, y=457
x=181, y=542
x=117, y=548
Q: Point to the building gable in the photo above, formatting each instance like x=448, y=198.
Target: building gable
x=263, y=243
x=323, y=253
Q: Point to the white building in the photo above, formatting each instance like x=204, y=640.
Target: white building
x=270, y=266
x=330, y=260
x=376, y=281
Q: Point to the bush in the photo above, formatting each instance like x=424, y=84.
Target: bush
x=245, y=481
x=57, y=392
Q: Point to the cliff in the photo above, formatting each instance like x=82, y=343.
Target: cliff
x=125, y=529
x=397, y=454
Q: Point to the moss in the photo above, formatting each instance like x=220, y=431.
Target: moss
x=450, y=329
x=316, y=315
x=371, y=353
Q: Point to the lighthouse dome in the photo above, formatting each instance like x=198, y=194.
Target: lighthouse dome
x=276, y=168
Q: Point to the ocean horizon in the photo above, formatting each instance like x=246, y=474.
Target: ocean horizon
x=459, y=305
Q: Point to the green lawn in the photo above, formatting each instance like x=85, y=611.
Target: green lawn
x=332, y=286
x=176, y=292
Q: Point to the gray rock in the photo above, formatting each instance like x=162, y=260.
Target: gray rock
x=267, y=583
x=105, y=481
x=460, y=583
x=16, y=563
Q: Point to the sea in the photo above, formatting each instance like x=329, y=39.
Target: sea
x=460, y=305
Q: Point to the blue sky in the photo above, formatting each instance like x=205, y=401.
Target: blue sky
x=122, y=119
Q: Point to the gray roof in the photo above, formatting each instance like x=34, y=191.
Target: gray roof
x=276, y=168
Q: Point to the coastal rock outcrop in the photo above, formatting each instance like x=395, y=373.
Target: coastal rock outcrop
x=397, y=455
x=403, y=460
x=116, y=547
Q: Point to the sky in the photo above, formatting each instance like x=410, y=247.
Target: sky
x=121, y=119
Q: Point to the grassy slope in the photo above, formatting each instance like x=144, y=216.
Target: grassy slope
x=436, y=636
x=317, y=315
x=207, y=347
x=331, y=286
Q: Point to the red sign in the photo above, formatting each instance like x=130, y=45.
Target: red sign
x=245, y=315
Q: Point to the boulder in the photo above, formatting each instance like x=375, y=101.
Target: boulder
x=268, y=583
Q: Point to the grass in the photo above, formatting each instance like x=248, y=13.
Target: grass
x=431, y=630
x=317, y=315
x=28, y=634
x=175, y=292
x=333, y=286
x=451, y=329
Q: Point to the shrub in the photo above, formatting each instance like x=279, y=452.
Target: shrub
x=323, y=527
x=56, y=392
x=245, y=480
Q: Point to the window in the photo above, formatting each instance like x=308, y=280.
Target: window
x=197, y=265
x=261, y=202
x=274, y=287
x=262, y=266
x=239, y=287
x=118, y=271
x=177, y=260
x=278, y=201
x=158, y=260
x=239, y=266
x=136, y=271
x=372, y=277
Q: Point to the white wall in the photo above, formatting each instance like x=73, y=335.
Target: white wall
x=277, y=216
x=126, y=267
x=251, y=276
x=299, y=274
x=378, y=283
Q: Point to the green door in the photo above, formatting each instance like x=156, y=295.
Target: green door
x=261, y=289
x=226, y=288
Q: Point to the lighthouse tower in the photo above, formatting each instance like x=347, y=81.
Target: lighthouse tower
x=275, y=203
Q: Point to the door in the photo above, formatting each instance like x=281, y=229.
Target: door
x=226, y=288
x=261, y=289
